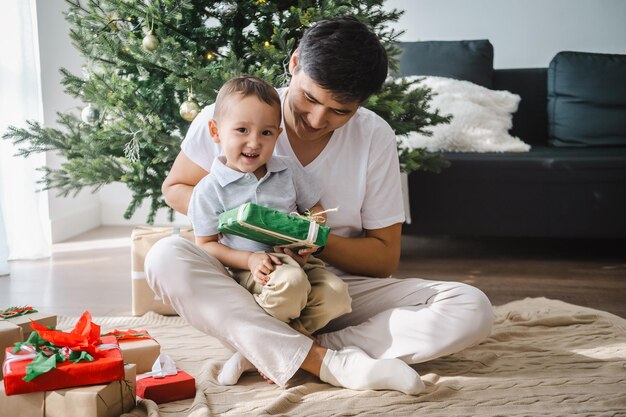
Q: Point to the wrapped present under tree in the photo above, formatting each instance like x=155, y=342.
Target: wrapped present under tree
x=142, y=239
x=138, y=348
x=165, y=383
x=52, y=359
x=272, y=227
x=103, y=400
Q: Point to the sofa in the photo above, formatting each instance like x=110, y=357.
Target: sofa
x=572, y=182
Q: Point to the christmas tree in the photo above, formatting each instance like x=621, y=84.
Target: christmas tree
x=152, y=64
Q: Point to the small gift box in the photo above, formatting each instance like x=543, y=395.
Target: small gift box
x=109, y=400
x=22, y=316
x=51, y=359
x=137, y=347
x=165, y=383
x=272, y=227
x=9, y=334
x=143, y=238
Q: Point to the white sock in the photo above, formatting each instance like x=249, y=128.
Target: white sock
x=352, y=368
x=233, y=368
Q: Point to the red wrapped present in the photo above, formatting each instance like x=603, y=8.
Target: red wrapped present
x=165, y=383
x=51, y=359
x=107, y=400
x=170, y=388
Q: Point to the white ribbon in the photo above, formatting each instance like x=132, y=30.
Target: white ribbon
x=31, y=353
x=162, y=367
x=108, y=346
x=14, y=357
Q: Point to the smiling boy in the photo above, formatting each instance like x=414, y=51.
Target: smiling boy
x=246, y=124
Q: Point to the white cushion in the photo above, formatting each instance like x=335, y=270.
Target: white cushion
x=481, y=118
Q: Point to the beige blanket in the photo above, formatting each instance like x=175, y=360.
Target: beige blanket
x=544, y=358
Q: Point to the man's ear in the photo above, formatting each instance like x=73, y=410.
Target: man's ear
x=213, y=131
x=293, y=62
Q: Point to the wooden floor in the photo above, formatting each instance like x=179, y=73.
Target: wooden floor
x=92, y=271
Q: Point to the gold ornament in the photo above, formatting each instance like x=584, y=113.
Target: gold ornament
x=189, y=109
x=267, y=44
x=90, y=115
x=150, y=42
x=210, y=56
x=112, y=24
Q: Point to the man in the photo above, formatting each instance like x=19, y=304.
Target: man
x=352, y=152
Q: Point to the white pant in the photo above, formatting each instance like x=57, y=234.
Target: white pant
x=412, y=319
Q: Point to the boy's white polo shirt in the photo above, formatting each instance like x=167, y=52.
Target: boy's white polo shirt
x=285, y=187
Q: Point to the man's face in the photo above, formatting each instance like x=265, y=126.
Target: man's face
x=311, y=111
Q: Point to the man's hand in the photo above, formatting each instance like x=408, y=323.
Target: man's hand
x=261, y=265
x=302, y=257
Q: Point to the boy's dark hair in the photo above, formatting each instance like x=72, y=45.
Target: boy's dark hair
x=344, y=56
x=247, y=85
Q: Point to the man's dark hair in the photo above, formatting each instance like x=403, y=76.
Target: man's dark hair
x=344, y=56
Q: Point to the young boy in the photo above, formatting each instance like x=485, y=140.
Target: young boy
x=246, y=124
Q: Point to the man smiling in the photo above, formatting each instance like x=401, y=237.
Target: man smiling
x=352, y=153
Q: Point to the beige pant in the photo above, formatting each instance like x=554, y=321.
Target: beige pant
x=412, y=319
x=307, y=298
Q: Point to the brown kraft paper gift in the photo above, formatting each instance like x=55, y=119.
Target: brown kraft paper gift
x=143, y=238
x=107, y=400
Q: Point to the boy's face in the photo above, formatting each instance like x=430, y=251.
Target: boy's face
x=312, y=111
x=247, y=130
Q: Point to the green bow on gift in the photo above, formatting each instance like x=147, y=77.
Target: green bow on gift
x=11, y=312
x=52, y=346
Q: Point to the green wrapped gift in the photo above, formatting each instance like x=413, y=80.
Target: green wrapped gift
x=272, y=227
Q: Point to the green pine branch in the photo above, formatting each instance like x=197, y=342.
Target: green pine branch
x=137, y=134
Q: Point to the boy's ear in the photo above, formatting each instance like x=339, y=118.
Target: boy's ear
x=213, y=131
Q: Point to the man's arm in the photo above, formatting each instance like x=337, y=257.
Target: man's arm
x=377, y=254
x=179, y=183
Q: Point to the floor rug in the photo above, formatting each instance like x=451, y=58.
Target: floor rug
x=544, y=358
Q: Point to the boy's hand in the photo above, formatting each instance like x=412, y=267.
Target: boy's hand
x=302, y=257
x=261, y=265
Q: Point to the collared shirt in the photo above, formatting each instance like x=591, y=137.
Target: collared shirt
x=285, y=187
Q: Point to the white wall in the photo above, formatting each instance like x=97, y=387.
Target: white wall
x=68, y=216
x=71, y=216
x=524, y=33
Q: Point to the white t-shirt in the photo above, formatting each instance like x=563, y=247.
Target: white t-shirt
x=358, y=170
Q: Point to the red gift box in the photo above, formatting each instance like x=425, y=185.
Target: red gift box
x=169, y=388
x=108, y=366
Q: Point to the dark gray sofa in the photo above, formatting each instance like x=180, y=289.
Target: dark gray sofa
x=555, y=190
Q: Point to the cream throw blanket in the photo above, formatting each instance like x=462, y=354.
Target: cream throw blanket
x=481, y=118
x=544, y=358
